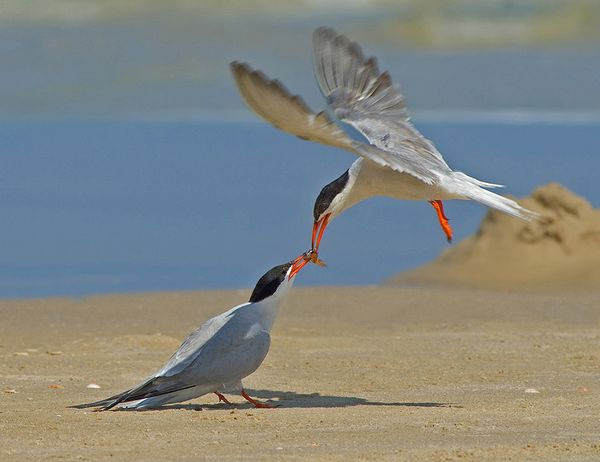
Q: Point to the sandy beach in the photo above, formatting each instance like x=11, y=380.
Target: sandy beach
x=139, y=165
x=359, y=373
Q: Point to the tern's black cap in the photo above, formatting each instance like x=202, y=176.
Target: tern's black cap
x=328, y=193
x=269, y=282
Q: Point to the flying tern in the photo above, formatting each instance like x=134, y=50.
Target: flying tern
x=397, y=161
x=217, y=356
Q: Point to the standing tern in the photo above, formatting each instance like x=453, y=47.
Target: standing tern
x=217, y=356
x=396, y=162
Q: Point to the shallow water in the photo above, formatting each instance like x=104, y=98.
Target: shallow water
x=120, y=205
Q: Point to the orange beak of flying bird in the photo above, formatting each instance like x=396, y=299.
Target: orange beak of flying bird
x=318, y=230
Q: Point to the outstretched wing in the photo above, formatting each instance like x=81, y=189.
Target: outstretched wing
x=270, y=100
x=363, y=97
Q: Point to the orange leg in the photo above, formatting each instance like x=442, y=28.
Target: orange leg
x=439, y=208
x=222, y=398
x=256, y=403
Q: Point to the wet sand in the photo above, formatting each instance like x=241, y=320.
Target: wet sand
x=359, y=373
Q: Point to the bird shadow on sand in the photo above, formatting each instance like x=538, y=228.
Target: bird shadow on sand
x=291, y=400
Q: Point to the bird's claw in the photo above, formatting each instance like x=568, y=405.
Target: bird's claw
x=222, y=398
x=257, y=404
x=260, y=405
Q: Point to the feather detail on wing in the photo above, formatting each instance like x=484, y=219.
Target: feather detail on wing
x=102, y=402
x=366, y=99
x=217, y=352
x=349, y=81
x=155, y=386
x=191, y=347
x=270, y=100
x=401, y=161
x=362, y=97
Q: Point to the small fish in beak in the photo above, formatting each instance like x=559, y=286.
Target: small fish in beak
x=310, y=256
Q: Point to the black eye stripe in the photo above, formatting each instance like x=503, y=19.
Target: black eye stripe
x=328, y=193
x=269, y=282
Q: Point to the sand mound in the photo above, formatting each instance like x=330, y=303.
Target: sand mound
x=561, y=250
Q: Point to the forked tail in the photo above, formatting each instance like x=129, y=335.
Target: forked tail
x=473, y=189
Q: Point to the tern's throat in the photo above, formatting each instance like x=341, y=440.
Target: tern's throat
x=354, y=190
x=268, y=309
x=337, y=196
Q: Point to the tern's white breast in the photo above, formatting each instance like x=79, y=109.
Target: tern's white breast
x=375, y=180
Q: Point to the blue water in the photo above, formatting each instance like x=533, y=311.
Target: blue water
x=93, y=206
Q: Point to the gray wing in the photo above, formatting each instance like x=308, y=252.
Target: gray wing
x=234, y=353
x=169, y=379
x=363, y=97
x=271, y=101
x=226, y=348
x=193, y=344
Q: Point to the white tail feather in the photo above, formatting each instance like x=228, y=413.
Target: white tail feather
x=472, y=188
x=470, y=179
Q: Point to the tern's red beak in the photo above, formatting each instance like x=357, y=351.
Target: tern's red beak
x=319, y=227
x=299, y=263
